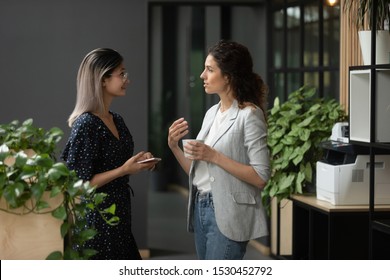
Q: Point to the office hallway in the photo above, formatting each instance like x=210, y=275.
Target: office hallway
x=167, y=235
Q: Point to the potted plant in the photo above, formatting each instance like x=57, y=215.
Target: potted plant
x=31, y=178
x=295, y=130
x=360, y=13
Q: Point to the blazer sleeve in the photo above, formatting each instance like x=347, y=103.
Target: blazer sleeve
x=255, y=130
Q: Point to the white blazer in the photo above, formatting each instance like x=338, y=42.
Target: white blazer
x=238, y=208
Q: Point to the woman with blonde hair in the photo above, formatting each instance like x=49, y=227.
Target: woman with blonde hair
x=100, y=149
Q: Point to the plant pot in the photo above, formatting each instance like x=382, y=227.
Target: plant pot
x=382, y=46
x=29, y=236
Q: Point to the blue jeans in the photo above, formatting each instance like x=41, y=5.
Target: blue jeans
x=210, y=243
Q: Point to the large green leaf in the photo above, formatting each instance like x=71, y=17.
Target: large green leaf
x=288, y=140
x=38, y=188
x=60, y=213
x=286, y=182
x=20, y=159
x=297, y=160
x=12, y=192
x=87, y=234
x=54, y=174
x=277, y=149
x=279, y=133
x=41, y=204
x=304, y=134
x=306, y=121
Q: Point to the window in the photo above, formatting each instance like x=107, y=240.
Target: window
x=304, y=47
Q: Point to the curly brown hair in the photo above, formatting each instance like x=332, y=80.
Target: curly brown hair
x=235, y=62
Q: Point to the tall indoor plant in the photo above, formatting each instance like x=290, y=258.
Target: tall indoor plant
x=360, y=13
x=296, y=127
x=295, y=130
x=25, y=179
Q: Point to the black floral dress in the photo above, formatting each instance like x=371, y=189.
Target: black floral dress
x=93, y=149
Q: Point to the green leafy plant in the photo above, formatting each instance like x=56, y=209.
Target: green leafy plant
x=360, y=11
x=24, y=180
x=295, y=130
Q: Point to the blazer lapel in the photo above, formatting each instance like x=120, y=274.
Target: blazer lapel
x=207, y=123
x=231, y=118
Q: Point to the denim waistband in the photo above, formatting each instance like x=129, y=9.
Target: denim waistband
x=204, y=195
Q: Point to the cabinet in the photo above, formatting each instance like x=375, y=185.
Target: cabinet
x=325, y=231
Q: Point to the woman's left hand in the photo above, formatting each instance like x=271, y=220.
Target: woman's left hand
x=201, y=151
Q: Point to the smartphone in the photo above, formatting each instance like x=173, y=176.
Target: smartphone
x=153, y=159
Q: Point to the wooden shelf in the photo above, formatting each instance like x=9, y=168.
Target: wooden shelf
x=328, y=207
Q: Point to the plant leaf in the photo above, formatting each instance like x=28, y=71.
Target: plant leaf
x=286, y=182
x=111, y=209
x=42, y=205
x=59, y=213
x=57, y=255
x=308, y=172
x=306, y=121
x=64, y=229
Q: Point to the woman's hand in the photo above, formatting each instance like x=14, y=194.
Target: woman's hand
x=200, y=151
x=148, y=165
x=131, y=166
x=177, y=130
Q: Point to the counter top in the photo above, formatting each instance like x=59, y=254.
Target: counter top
x=312, y=200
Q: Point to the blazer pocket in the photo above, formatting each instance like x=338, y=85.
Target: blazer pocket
x=243, y=198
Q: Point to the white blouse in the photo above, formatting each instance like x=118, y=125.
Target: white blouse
x=201, y=177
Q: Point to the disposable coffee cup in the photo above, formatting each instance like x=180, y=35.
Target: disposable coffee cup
x=185, y=141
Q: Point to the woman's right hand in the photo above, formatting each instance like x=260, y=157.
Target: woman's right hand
x=131, y=166
x=177, y=130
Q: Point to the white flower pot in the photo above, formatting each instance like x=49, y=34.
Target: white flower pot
x=382, y=46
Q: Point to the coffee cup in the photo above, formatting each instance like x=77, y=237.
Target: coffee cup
x=185, y=141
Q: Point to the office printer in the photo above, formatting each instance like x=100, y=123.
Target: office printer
x=343, y=175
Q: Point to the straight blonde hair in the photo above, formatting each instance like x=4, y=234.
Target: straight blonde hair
x=95, y=67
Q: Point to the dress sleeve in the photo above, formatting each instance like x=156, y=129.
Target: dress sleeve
x=81, y=151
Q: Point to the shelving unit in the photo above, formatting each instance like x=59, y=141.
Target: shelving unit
x=369, y=126
x=371, y=134
x=331, y=232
